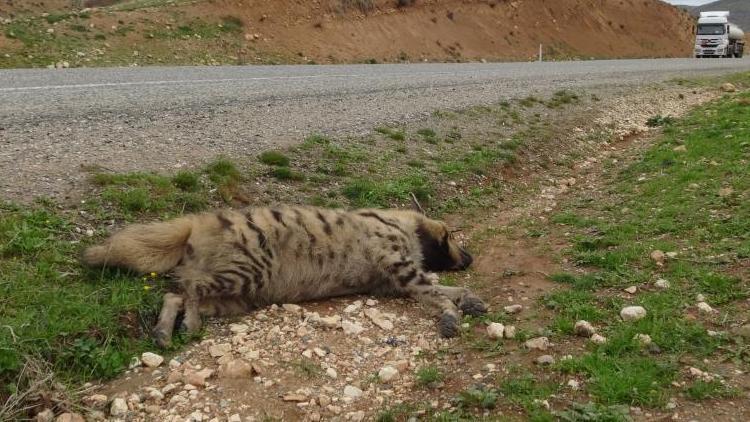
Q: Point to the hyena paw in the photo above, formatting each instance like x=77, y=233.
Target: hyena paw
x=473, y=306
x=162, y=338
x=448, y=325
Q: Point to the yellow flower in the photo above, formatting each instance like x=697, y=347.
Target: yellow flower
x=153, y=275
x=146, y=287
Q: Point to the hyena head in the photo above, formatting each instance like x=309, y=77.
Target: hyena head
x=440, y=250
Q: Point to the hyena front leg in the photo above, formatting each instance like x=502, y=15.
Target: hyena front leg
x=171, y=307
x=407, y=277
x=465, y=299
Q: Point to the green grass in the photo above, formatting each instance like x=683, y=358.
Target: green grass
x=562, y=98
x=285, y=173
x=395, y=134
x=274, y=158
x=368, y=193
x=428, y=375
x=673, y=203
x=85, y=323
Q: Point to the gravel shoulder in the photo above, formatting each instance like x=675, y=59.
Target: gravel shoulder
x=56, y=124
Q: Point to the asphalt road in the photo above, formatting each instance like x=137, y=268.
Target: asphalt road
x=161, y=118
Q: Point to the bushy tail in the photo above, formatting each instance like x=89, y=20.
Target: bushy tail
x=155, y=247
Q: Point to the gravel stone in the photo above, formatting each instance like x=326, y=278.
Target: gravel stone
x=632, y=313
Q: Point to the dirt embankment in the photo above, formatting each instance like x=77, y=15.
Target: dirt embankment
x=326, y=31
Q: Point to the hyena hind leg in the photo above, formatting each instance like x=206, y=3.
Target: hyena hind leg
x=172, y=306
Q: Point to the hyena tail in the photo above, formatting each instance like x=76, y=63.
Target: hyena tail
x=156, y=247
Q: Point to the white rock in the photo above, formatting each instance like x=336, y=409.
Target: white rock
x=97, y=401
x=584, y=329
x=705, y=308
x=351, y=328
x=174, y=364
x=118, y=407
x=354, y=307
x=495, y=330
x=574, y=385
x=358, y=416
x=331, y=373
x=236, y=368
x=219, y=350
x=632, y=290
x=539, y=343
x=388, y=373
x=47, y=415
x=239, y=328
x=333, y=321
x=597, y=339
x=235, y=418
x=513, y=309
x=152, y=360
x=352, y=391
x=135, y=363
x=545, y=360
x=292, y=308
x=632, y=313
x=378, y=319
x=510, y=332
x=661, y=284
x=371, y=302
x=643, y=339
x=700, y=298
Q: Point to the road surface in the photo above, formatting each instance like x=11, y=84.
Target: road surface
x=160, y=118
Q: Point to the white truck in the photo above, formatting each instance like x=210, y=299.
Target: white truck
x=717, y=37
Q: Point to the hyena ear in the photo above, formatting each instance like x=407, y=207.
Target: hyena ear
x=415, y=204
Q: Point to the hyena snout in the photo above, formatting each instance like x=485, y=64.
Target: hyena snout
x=465, y=261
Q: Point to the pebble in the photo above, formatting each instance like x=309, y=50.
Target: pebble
x=598, y=339
x=378, y=319
x=574, y=385
x=236, y=368
x=642, y=339
x=331, y=373
x=46, y=415
x=584, y=329
x=351, y=328
x=545, y=360
x=219, y=350
x=174, y=364
x=705, y=308
x=371, y=302
x=661, y=284
x=510, y=332
x=539, y=343
x=235, y=418
x=352, y=391
x=388, y=373
x=119, y=407
x=152, y=360
x=632, y=313
x=495, y=330
x=354, y=307
x=632, y=290
x=700, y=297
x=239, y=328
x=513, y=309
x=658, y=256
x=70, y=417
x=292, y=308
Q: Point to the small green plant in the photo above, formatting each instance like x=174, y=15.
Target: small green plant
x=481, y=398
x=659, y=120
x=186, y=181
x=286, y=173
x=274, y=158
x=396, y=135
x=429, y=375
x=595, y=412
x=307, y=368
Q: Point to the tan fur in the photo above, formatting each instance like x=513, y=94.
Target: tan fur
x=231, y=261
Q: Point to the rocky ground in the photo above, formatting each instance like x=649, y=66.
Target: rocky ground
x=353, y=358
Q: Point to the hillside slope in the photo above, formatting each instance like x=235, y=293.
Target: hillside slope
x=740, y=10
x=333, y=31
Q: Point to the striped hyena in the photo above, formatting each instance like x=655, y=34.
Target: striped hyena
x=230, y=261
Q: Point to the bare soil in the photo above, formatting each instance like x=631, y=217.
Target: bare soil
x=329, y=31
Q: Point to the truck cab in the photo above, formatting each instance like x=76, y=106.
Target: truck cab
x=717, y=37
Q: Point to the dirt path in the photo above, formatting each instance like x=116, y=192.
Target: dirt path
x=331, y=361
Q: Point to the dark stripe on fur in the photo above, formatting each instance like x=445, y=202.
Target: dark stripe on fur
x=226, y=224
x=326, y=225
x=278, y=217
x=370, y=214
x=405, y=279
